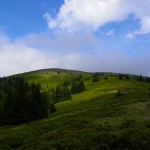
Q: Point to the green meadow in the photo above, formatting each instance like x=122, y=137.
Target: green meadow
x=95, y=119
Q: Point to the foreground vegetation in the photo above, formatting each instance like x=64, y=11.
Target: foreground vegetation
x=111, y=113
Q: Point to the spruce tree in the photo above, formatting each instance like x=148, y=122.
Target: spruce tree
x=127, y=77
x=77, y=87
x=120, y=77
x=23, y=102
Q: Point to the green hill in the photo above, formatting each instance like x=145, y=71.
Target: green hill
x=51, y=77
x=95, y=119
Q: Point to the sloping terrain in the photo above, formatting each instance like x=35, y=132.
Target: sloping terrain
x=51, y=77
x=94, y=119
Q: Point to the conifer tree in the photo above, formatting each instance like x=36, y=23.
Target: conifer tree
x=127, y=77
x=77, y=87
x=120, y=77
x=22, y=102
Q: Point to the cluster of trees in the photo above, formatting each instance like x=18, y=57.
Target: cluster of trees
x=119, y=93
x=77, y=86
x=95, y=77
x=140, y=78
x=123, y=76
x=120, y=77
x=60, y=93
x=21, y=102
x=148, y=79
x=65, y=90
x=143, y=79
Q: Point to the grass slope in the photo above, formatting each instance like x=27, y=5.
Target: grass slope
x=94, y=119
x=51, y=77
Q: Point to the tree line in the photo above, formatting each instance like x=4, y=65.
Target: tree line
x=65, y=90
x=22, y=102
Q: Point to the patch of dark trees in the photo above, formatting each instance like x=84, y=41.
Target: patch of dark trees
x=77, y=86
x=96, y=77
x=60, y=93
x=138, y=78
x=143, y=79
x=22, y=102
x=65, y=90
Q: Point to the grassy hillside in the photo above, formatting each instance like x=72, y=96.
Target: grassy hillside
x=51, y=77
x=94, y=119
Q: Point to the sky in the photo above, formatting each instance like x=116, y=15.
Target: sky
x=87, y=35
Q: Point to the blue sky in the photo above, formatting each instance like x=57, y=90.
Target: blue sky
x=18, y=18
x=88, y=35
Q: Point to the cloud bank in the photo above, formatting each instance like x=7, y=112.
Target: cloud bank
x=77, y=15
x=35, y=51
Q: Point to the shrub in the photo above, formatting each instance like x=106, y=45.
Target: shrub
x=119, y=93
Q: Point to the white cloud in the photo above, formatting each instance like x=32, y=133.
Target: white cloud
x=93, y=14
x=130, y=35
x=89, y=13
x=51, y=22
x=31, y=52
x=61, y=42
x=145, y=26
x=110, y=32
x=16, y=57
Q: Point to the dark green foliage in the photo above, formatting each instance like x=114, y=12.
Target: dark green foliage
x=148, y=79
x=120, y=77
x=140, y=78
x=61, y=93
x=106, y=78
x=66, y=83
x=80, y=76
x=94, y=120
x=77, y=87
x=96, y=74
x=87, y=79
x=81, y=135
x=95, y=77
x=21, y=102
x=127, y=77
x=52, y=108
x=119, y=93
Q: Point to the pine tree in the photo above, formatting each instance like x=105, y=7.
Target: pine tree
x=61, y=93
x=140, y=78
x=52, y=108
x=148, y=79
x=106, y=78
x=95, y=77
x=127, y=77
x=77, y=87
x=120, y=77
x=23, y=102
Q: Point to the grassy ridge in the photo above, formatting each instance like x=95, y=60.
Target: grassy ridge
x=94, y=119
x=51, y=77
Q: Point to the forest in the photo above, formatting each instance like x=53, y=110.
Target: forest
x=22, y=102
